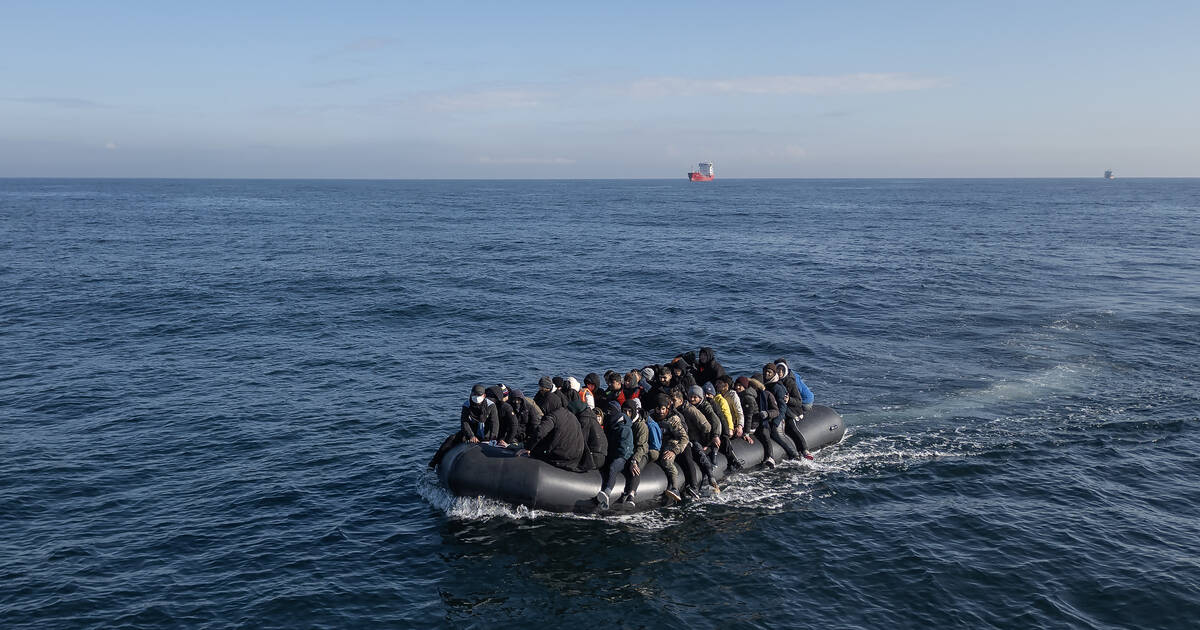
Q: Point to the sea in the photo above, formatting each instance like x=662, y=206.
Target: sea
x=218, y=399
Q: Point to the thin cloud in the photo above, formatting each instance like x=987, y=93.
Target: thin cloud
x=525, y=160
x=485, y=100
x=59, y=101
x=860, y=83
x=343, y=82
x=364, y=45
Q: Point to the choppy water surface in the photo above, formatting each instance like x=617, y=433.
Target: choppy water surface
x=218, y=398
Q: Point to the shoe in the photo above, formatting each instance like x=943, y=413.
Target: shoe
x=769, y=462
x=673, y=495
x=691, y=492
x=602, y=499
x=808, y=455
x=714, y=486
x=629, y=500
x=737, y=465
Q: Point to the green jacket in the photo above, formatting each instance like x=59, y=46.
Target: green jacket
x=641, y=440
x=675, y=434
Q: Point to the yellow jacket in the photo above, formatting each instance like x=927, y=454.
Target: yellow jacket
x=722, y=407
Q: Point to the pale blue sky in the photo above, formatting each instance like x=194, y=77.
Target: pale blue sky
x=614, y=89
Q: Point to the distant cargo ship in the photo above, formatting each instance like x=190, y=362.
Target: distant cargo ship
x=704, y=173
x=1108, y=174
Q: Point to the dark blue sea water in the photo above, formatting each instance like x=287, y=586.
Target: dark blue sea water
x=218, y=399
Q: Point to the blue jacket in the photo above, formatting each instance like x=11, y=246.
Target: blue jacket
x=619, y=434
x=806, y=395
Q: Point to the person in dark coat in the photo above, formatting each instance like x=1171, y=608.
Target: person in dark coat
x=708, y=369
x=801, y=397
x=593, y=383
x=547, y=389
x=619, y=436
x=478, y=422
x=509, y=429
x=682, y=373
x=596, y=449
x=787, y=417
x=558, y=440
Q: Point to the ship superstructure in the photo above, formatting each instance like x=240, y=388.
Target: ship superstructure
x=703, y=173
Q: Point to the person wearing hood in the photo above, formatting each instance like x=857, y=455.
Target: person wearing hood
x=558, y=439
x=619, y=436
x=708, y=369
x=682, y=373
x=647, y=444
x=801, y=396
x=525, y=424
x=787, y=416
x=591, y=425
x=508, y=426
x=576, y=401
x=479, y=422
x=701, y=434
x=751, y=394
x=595, y=388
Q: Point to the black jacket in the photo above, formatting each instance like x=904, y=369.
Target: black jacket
x=558, y=440
x=708, y=369
x=593, y=436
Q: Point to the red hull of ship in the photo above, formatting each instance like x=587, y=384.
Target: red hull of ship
x=697, y=177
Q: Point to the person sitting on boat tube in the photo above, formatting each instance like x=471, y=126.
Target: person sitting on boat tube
x=620, y=448
x=479, y=422
x=787, y=414
x=800, y=396
x=558, y=440
x=674, y=442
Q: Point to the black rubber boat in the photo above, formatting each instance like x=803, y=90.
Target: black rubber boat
x=481, y=470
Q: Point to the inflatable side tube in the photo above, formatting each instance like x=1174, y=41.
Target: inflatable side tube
x=480, y=470
x=820, y=427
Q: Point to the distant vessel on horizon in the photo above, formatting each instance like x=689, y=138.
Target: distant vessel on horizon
x=1108, y=174
x=703, y=173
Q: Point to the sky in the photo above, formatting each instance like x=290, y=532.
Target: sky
x=599, y=90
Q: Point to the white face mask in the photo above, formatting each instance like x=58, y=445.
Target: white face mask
x=477, y=399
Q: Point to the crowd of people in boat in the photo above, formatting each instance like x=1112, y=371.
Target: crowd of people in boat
x=623, y=422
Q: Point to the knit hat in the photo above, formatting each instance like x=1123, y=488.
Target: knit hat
x=695, y=390
x=743, y=381
x=648, y=373
x=709, y=389
x=545, y=383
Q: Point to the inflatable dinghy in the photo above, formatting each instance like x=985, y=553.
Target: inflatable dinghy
x=482, y=470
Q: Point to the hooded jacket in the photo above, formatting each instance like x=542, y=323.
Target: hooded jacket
x=641, y=440
x=618, y=433
x=796, y=388
x=524, y=423
x=596, y=444
x=509, y=425
x=708, y=369
x=558, y=440
x=480, y=420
